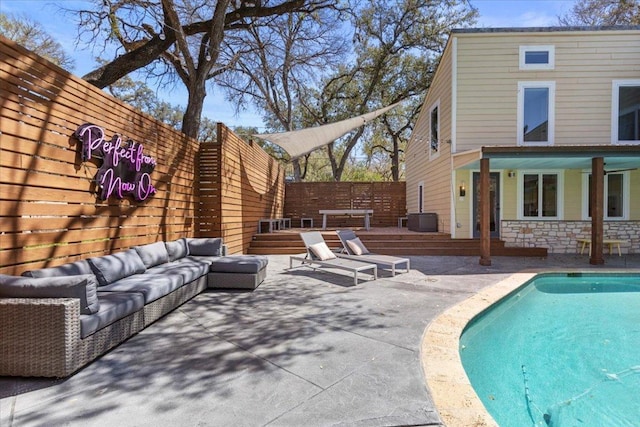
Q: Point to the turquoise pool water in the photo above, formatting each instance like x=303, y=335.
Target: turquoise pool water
x=563, y=350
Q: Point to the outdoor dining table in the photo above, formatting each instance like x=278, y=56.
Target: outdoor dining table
x=366, y=212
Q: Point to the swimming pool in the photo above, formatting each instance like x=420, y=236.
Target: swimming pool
x=562, y=350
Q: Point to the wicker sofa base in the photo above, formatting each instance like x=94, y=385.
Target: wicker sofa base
x=40, y=337
x=160, y=307
x=236, y=280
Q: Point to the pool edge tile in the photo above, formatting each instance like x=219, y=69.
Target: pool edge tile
x=455, y=399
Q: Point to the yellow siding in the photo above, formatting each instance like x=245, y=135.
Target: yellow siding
x=509, y=206
x=488, y=75
x=486, y=89
x=462, y=205
x=634, y=200
x=434, y=172
x=573, y=195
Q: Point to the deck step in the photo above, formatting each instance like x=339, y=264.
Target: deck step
x=397, y=244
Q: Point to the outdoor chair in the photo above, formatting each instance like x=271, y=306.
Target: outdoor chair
x=319, y=255
x=354, y=249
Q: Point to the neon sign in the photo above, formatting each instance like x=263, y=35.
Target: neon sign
x=125, y=170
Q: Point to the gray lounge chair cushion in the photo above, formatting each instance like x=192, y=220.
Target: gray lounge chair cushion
x=151, y=286
x=249, y=264
x=153, y=254
x=82, y=287
x=177, y=249
x=190, y=269
x=113, y=306
x=205, y=246
x=71, y=269
x=111, y=268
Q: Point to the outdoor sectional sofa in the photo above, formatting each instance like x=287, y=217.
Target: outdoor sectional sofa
x=55, y=320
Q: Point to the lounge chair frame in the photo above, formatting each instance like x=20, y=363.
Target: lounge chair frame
x=389, y=261
x=310, y=260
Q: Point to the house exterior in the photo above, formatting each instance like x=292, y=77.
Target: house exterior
x=540, y=109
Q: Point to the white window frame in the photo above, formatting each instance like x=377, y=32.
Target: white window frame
x=626, y=194
x=559, y=195
x=434, y=154
x=615, y=105
x=551, y=49
x=551, y=85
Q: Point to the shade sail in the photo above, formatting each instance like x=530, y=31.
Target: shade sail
x=301, y=142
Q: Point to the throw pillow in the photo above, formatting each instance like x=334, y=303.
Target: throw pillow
x=82, y=287
x=205, y=246
x=322, y=251
x=70, y=269
x=110, y=268
x=357, y=247
x=153, y=254
x=177, y=249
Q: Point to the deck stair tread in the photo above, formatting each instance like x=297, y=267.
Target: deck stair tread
x=398, y=244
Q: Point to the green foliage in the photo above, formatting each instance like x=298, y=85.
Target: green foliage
x=31, y=35
x=396, y=48
x=602, y=13
x=208, y=130
x=140, y=96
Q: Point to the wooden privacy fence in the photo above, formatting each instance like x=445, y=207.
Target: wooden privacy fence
x=239, y=185
x=49, y=212
x=305, y=199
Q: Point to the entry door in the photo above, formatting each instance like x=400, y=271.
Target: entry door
x=494, y=203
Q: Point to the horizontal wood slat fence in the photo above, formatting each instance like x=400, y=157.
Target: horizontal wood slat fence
x=49, y=212
x=305, y=199
x=239, y=185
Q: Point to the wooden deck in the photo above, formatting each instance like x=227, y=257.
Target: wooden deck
x=388, y=241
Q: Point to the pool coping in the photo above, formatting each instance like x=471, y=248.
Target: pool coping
x=454, y=398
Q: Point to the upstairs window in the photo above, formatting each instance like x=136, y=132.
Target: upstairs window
x=625, y=117
x=434, y=130
x=536, y=113
x=537, y=57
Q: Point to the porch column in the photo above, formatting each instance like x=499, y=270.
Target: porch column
x=485, y=214
x=597, y=210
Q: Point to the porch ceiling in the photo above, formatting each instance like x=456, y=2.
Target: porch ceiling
x=568, y=157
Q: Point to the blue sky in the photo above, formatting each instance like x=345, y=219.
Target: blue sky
x=493, y=13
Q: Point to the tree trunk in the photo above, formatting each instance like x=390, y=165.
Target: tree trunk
x=193, y=113
x=129, y=62
x=338, y=168
x=395, y=160
x=297, y=172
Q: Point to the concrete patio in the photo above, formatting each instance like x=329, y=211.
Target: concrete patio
x=306, y=348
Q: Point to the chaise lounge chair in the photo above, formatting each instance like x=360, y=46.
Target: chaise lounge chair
x=319, y=255
x=353, y=249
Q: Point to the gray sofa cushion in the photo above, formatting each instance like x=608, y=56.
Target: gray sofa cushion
x=177, y=249
x=110, y=268
x=190, y=269
x=151, y=286
x=113, y=306
x=153, y=254
x=82, y=287
x=71, y=269
x=204, y=259
x=205, y=246
x=239, y=264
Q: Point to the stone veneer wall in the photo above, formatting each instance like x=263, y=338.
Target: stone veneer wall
x=561, y=237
